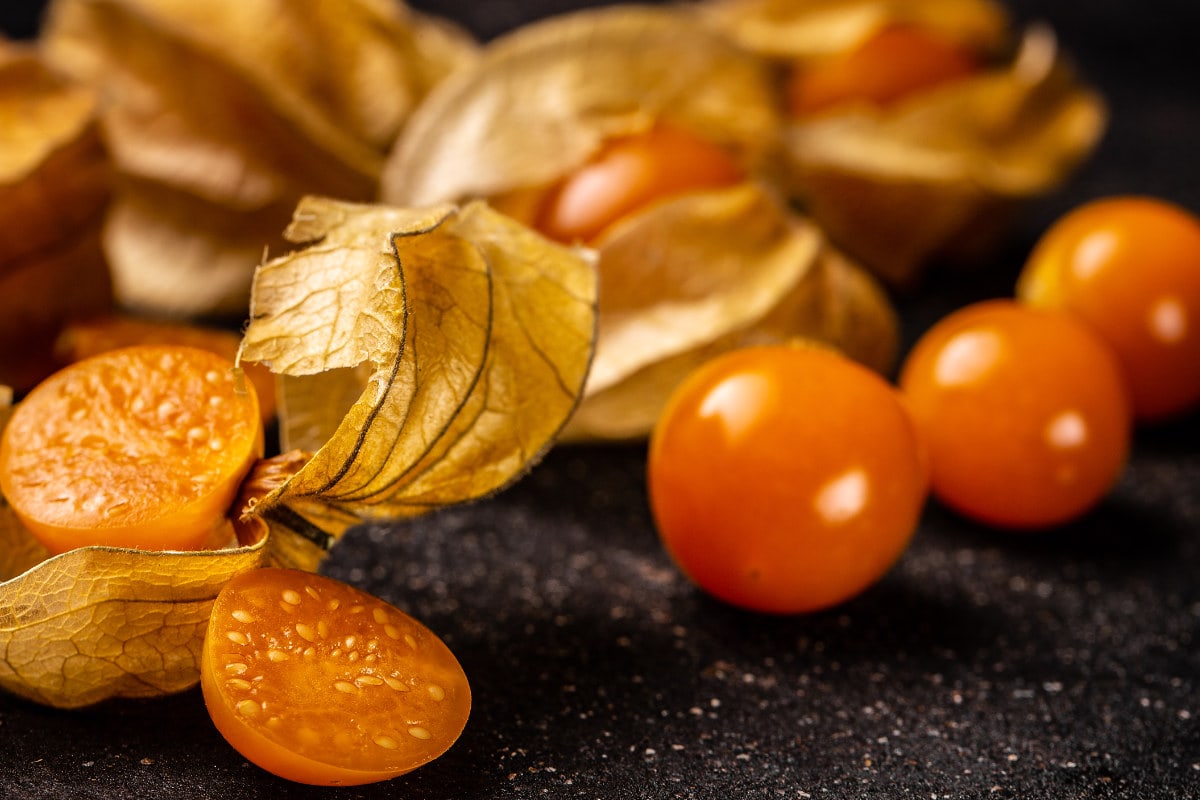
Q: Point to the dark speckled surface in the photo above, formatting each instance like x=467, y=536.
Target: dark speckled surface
x=985, y=665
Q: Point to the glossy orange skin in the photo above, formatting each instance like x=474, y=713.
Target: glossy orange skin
x=630, y=173
x=1129, y=266
x=785, y=479
x=140, y=447
x=1024, y=412
x=889, y=65
x=320, y=683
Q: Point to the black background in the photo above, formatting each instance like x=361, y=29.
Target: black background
x=1059, y=665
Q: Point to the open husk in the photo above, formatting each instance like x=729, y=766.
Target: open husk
x=791, y=31
x=101, y=622
x=96, y=623
x=426, y=357
x=681, y=280
x=688, y=280
x=543, y=99
x=221, y=114
x=936, y=175
x=55, y=181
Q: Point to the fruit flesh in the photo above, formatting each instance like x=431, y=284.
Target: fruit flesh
x=94, y=335
x=142, y=447
x=320, y=683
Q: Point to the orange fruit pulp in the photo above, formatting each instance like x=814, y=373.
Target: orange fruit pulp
x=321, y=683
x=141, y=447
x=88, y=337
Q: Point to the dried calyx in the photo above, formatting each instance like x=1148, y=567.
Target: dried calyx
x=685, y=276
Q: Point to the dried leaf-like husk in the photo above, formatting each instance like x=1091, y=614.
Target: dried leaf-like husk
x=680, y=280
x=687, y=280
x=100, y=622
x=96, y=623
x=54, y=174
x=175, y=254
x=243, y=101
x=542, y=99
x=232, y=110
x=302, y=531
x=802, y=30
x=466, y=336
x=937, y=174
x=900, y=188
x=55, y=180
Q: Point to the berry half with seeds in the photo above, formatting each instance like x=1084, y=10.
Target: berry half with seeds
x=321, y=683
x=141, y=447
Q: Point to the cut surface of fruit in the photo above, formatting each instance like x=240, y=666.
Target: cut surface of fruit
x=319, y=682
x=141, y=447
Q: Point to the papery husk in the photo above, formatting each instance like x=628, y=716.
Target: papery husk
x=938, y=175
x=680, y=280
x=706, y=273
x=900, y=188
x=101, y=622
x=232, y=110
x=460, y=339
x=541, y=100
x=469, y=337
x=54, y=173
x=55, y=181
x=177, y=255
x=96, y=623
x=801, y=30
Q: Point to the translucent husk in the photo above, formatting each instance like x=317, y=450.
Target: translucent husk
x=428, y=357
x=55, y=181
x=688, y=280
x=681, y=280
x=222, y=114
x=541, y=100
x=802, y=30
x=41, y=295
x=937, y=175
